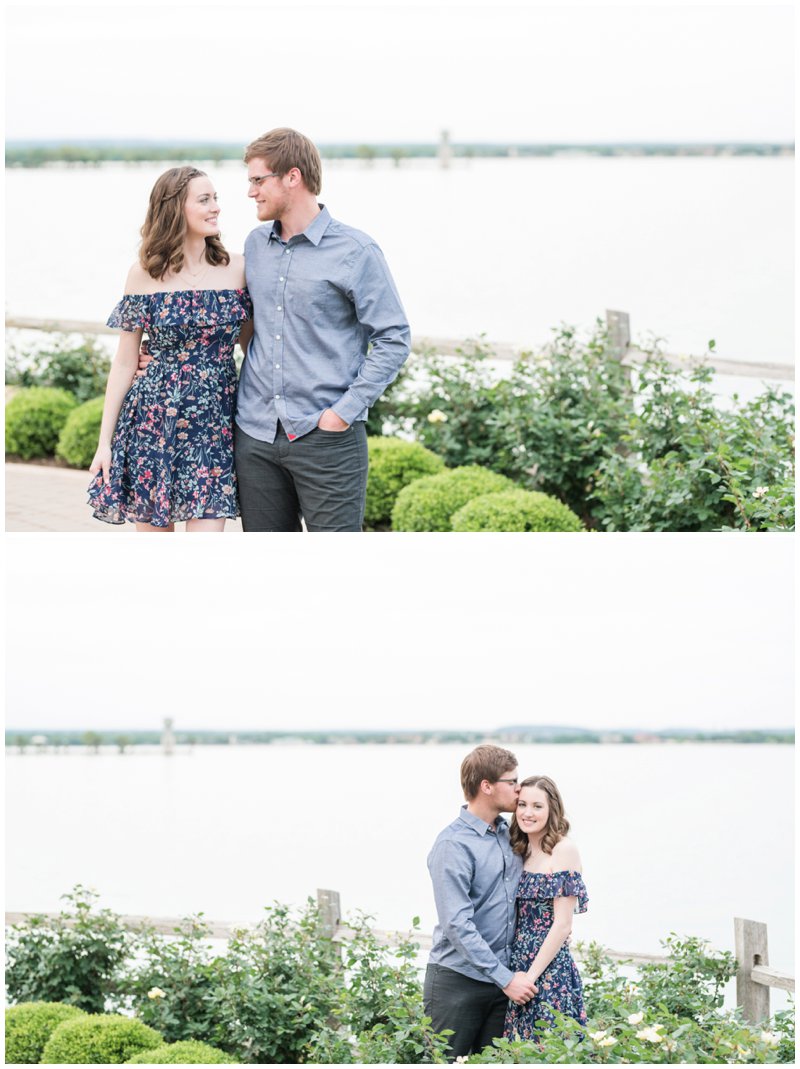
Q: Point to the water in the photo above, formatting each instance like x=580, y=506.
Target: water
x=692, y=248
x=673, y=838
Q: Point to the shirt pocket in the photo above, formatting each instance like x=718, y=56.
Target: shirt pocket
x=310, y=297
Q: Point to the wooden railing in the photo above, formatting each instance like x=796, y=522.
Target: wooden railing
x=619, y=333
x=753, y=979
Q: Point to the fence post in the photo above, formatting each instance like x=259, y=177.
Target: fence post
x=618, y=325
x=751, y=949
x=329, y=905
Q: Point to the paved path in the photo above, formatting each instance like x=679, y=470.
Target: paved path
x=43, y=498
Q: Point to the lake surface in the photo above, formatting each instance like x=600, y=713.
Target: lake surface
x=673, y=837
x=692, y=248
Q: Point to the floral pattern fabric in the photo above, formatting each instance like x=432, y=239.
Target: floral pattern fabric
x=559, y=985
x=172, y=451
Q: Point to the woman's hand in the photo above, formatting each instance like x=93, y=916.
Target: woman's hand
x=102, y=461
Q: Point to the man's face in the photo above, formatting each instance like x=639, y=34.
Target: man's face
x=271, y=195
x=506, y=791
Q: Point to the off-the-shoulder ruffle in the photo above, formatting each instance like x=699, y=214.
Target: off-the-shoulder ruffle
x=564, y=884
x=204, y=308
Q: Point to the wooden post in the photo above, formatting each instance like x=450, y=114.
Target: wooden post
x=619, y=333
x=751, y=950
x=329, y=905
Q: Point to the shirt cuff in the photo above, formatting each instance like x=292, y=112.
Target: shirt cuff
x=348, y=407
x=502, y=976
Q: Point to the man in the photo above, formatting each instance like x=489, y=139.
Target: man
x=330, y=336
x=475, y=874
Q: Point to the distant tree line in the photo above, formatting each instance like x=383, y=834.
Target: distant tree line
x=28, y=154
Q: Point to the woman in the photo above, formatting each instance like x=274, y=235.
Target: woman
x=166, y=439
x=550, y=890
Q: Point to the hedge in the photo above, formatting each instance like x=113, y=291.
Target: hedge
x=427, y=504
x=77, y=443
x=393, y=464
x=99, y=1039
x=185, y=1052
x=516, y=510
x=29, y=1025
x=34, y=420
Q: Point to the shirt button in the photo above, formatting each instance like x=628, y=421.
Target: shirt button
x=277, y=397
x=279, y=308
x=277, y=365
x=277, y=337
x=288, y=251
x=281, y=279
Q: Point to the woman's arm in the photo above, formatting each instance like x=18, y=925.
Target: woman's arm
x=563, y=909
x=120, y=377
x=246, y=335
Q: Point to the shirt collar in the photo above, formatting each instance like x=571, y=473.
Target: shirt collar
x=314, y=231
x=480, y=826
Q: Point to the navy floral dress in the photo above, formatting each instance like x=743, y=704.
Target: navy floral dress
x=560, y=984
x=172, y=451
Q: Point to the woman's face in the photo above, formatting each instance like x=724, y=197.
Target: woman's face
x=201, y=208
x=533, y=810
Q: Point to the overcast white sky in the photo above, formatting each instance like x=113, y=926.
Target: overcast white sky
x=373, y=71
x=475, y=631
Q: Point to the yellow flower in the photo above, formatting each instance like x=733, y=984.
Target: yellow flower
x=650, y=1034
x=156, y=992
x=597, y=1036
x=636, y=1018
x=609, y=1041
x=437, y=416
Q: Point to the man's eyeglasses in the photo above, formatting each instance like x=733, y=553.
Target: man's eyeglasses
x=513, y=782
x=261, y=178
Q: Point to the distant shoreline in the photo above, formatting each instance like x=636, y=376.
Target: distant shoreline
x=92, y=152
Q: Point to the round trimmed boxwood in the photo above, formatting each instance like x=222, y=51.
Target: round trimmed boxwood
x=34, y=419
x=185, y=1052
x=516, y=510
x=393, y=464
x=29, y=1025
x=427, y=504
x=99, y=1039
x=77, y=442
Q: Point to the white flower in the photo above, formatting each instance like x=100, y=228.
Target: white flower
x=770, y=1039
x=597, y=1036
x=609, y=1041
x=437, y=416
x=669, y=1045
x=651, y=1034
x=760, y=491
x=156, y=992
x=636, y=1018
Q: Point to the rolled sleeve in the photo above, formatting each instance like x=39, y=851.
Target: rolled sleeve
x=451, y=872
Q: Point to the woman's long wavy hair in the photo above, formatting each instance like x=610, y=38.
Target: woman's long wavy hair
x=164, y=226
x=557, y=823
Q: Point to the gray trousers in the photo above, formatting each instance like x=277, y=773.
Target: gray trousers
x=474, y=1010
x=321, y=477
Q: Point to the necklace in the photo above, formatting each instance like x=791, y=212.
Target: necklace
x=195, y=275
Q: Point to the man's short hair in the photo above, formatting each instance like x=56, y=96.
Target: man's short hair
x=485, y=762
x=284, y=149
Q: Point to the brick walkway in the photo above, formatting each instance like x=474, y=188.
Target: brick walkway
x=42, y=498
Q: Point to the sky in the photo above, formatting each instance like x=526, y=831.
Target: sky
x=374, y=71
x=650, y=631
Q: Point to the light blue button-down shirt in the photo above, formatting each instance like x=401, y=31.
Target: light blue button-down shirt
x=475, y=875
x=330, y=330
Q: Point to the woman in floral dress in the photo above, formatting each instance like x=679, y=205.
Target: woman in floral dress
x=551, y=890
x=166, y=440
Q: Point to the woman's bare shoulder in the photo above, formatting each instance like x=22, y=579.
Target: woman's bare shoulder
x=138, y=280
x=566, y=856
x=237, y=269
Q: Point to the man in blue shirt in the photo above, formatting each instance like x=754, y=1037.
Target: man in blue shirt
x=475, y=874
x=330, y=336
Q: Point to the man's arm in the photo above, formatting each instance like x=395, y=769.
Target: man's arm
x=451, y=872
x=378, y=308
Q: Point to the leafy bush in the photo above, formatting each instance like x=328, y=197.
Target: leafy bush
x=30, y=1025
x=515, y=510
x=393, y=464
x=34, y=420
x=189, y=1052
x=427, y=504
x=74, y=957
x=77, y=442
x=81, y=370
x=99, y=1040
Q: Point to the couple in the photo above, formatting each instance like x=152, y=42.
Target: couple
x=505, y=896
x=317, y=314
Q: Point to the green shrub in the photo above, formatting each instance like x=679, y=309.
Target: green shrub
x=29, y=1026
x=393, y=464
x=77, y=443
x=99, y=1039
x=188, y=1052
x=81, y=370
x=74, y=957
x=515, y=510
x=34, y=420
x=427, y=504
